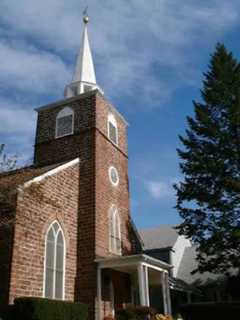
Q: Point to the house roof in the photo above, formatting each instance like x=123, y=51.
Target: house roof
x=23, y=177
x=12, y=179
x=164, y=236
x=188, y=264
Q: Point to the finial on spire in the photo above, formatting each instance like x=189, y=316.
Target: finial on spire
x=84, y=78
x=85, y=15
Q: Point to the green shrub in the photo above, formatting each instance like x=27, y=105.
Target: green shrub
x=7, y=313
x=211, y=310
x=46, y=309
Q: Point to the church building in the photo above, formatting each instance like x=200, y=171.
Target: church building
x=65, y=227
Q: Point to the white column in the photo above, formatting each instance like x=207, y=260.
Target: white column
x=168, y=294
x=165, y=304
x=99, y=293
x=132, y=290
x=146, y=286
x=141, y=285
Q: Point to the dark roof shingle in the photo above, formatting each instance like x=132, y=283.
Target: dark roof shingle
x=188, y=264
x=12, y=179
x=164, y=236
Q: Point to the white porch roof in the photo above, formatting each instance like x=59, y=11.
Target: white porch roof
x=132, y=260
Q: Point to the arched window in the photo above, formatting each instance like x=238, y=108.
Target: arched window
x=64, y=122
x=112, y=129
x=54, y=263
x=114, y=231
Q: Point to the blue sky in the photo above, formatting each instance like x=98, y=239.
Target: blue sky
x=149, y=58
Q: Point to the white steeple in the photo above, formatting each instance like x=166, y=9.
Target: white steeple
x=84, y=78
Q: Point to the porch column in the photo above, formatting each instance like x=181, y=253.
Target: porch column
x=166, y=293
x=142, y=276
x=189, y=297
x=146, y=285
x=99, y=294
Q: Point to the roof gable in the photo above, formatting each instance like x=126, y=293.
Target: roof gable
x=164, y=236
x=22, y=178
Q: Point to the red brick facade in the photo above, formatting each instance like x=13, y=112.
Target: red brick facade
x=78, y=197
x=55, y=198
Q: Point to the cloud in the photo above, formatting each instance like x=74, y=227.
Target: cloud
x=142, y=50
x=17, y=129
x=161, y=189
x=27, y=69
x=15, y=119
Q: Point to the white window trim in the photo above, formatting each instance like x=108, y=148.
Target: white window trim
x=45, y=261
x=110, y=176
x=113, y=218
x=113, y=121
x=67, y=111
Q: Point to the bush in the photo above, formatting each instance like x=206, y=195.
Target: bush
x=134, y=313
x=211, y=310
x=7, y=313
x=46, y=309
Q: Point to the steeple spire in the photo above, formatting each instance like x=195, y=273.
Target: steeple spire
x=84, y=78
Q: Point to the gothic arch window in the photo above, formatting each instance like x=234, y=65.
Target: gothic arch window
x=115, y=245
x=64, y=122
x=112, y=129
x=54, y=262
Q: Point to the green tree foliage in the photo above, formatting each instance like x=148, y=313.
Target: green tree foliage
x=208, y=197
x=7, y=163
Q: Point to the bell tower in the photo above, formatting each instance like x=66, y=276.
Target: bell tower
x=85, y=125
x=68, y=128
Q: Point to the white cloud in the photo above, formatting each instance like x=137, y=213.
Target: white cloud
x=140, y=49
x=30, y=70
x=17, y=129
x=15, y=119
x=161, y=189
x=143, y=50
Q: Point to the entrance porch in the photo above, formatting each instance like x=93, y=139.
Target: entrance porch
x=132, y=280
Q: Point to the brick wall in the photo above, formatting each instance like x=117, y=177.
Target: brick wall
x=55, y=198
x=6, y=245
x=49, y=150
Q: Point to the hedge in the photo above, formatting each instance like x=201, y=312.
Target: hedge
x=46, y=309
x=211, y=310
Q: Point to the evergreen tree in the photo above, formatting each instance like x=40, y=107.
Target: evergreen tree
x=7, y=163
x=208, y=197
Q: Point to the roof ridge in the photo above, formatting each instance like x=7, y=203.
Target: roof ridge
x=14, y=171
x=158, y=227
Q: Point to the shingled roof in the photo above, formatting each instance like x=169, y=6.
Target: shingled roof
x=12, y=179
x=188, y=264
x=164, y=236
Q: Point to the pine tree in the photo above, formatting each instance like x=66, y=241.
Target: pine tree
x=208, y=197
x=7, y=163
